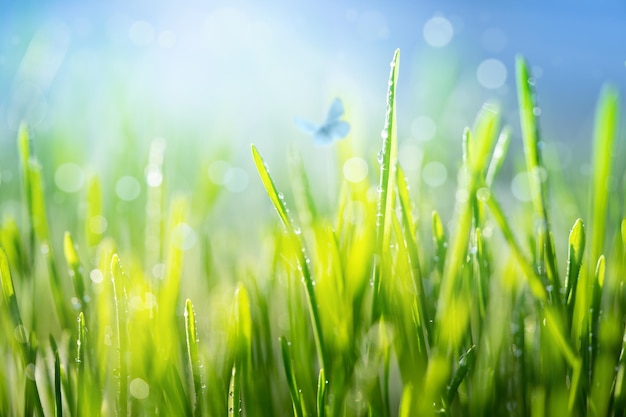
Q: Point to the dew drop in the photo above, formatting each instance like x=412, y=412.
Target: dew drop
x=483, y=194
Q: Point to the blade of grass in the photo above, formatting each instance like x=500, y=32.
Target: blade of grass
x=321, y=394
x=464, y=365
x=10, y=300
x=412, y=251
x=499, y=153
x=119, y=292
x=619, y=390
x=388, y=158
x=594, y=324
x=294, y=391
x=42, y=233
x=406, y=401
x=75, y=269
x=234, y=393
x=26, y=346
x=94, y=220
x=194, y=358
x=301, y=187
x=303, y=261
x=23, y=145
x=537, y=174
x=82, y=400
x=440, y=241
x=486, y=127
x=606, y=122
x=574, y=262
x=58, y=400
x=154, y=204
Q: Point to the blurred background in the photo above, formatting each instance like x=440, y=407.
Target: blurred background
x=97, y=82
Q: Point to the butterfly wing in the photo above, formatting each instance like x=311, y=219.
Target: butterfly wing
x=321, y=138
x=331, y=132
x=335, y=112
x=338, y=130
x=306, y=126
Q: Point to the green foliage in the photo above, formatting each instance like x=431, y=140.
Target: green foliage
x=380, y=309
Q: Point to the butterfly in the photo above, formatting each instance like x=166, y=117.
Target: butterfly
x=333, y=129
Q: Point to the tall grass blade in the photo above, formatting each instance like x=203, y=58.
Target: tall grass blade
x=294, y=391
x=39, y=222
x=321, y=394
x=154, y=204
x=606, y=123
x=194, y=358
x=82, y=399
x=406, y=401
x=463, y=367
x=408, y=236
x=27, y=346
x=95, y=223
x=440, y=241
x=598, y=284
x=278, y=201
x=75, y=269
x=301, y=187
x=10, y=300
x=388, y=158
x=499, y=153
x=537, y=173
x=24, y=145
x=619, y=390
x=575, y=251
x=58, y=400
x=234, y=393
x=466, y=209
x=119, y=291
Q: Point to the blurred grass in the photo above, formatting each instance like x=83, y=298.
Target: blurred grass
x=382, y=307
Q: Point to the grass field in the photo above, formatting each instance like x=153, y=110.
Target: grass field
x=380, y=309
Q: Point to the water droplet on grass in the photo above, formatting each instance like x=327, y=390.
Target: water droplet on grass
x=483, y=194
x=139, y=388
x=30, y=371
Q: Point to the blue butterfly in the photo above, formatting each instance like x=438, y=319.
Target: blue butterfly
x=333, y=129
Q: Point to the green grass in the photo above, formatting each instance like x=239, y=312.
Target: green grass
x=377, y=309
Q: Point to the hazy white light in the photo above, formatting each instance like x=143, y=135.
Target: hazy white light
x=154, y=177
x=410, y=156
x=423, y=128
x=520, y=187
x=217, y=171
x=97, y=224
x=141, y=33
x=236, y=180
x=438, y=31
x=494, y=40
x=434, y=174
x=372, y=25
x=69, y=177
x=27, y=103
x=355, y=169
x=127, y=188
x=228, y=29
x=166, y=39
x=183, y=236
x=96, y=276
x=491, y=73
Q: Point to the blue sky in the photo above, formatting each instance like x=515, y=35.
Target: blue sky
x=244, y=69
